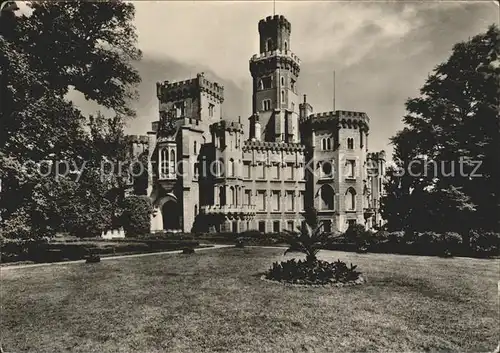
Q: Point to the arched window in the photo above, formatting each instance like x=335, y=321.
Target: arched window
x=260, y=84
x=350, y=170
x=282, y=81
x=222, y=196
x=329, y=143
x=323, y=144
x=195, y=147
x=350, y=143
x=327, y=198
x=163, y=163
x=230, y=168
x=350, y=199
x=286, y=46
x=171, y=163
x=220, y=167
x=269, y=44
x=195, y=210
x=233, y=195
x=282, y=96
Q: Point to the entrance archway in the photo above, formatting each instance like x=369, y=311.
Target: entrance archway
x=170, y=213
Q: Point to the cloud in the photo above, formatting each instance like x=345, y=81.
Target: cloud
x=382, y=51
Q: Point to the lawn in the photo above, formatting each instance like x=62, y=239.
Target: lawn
x=214, y=301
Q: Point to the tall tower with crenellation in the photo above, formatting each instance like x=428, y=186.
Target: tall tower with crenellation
x=204, y=176
x=275, y=71
x=187, y=109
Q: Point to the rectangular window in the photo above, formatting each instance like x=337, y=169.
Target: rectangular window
x=267, y=82
x=350, y=168
x=290, y=226
x=290, y=201
x=350, y=143
x=247, y=170
x=261, y=200
x=276, y=226
x=248, y=197
x=179, y=109
x=276, y=200
x=327, y=226
x=261, y=171
x=276, y=171
x=302, y=201
x=262, y=226
x=289, y=172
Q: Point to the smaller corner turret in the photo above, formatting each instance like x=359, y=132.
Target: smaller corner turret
x=305, y=109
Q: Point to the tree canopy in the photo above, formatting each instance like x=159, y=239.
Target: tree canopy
x=86, y=46
x=448, y=153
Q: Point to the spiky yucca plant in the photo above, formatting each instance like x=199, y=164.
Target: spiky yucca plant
x=307, y=241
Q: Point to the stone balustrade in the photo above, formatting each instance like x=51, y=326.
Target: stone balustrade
x=228, y=209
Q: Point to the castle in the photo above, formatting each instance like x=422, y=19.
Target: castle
x=204, y=175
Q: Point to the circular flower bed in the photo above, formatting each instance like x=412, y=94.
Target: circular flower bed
x=317, y=272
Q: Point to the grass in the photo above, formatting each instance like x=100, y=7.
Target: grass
x=214, y=301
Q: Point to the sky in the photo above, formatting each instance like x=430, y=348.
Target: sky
x=382, y=52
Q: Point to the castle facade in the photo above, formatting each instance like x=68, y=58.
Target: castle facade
x=206, y=174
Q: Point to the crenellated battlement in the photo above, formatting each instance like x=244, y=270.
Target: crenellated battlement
x=342, y=118
x=137, y=139
x=225, y=125
x=167, y=91
x=276, y=53
x=270, y=22
x=272, y=146
x=376, y=156
x=264, y=64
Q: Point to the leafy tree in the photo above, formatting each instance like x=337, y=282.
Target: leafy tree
x=455, y=121
x=92, y=47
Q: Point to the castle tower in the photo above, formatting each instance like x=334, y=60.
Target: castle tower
x=187, y=109
x=275, y=71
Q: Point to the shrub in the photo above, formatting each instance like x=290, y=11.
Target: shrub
x=427, y=238
x=252, y=234
x=396, y=237
x=93, y=258
x=13, y=250
x=317, y=272
x=359, y=236
x=380, y=237
x=484, y=243
x=188, y=251
x=136, y=217
x=451, y=242
x=240, y=243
